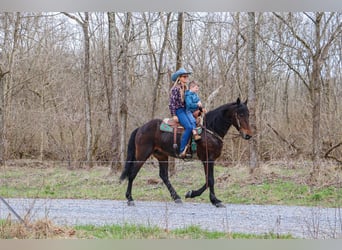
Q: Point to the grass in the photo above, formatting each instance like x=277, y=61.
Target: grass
x=142, y=232
x=274, y=184
x=45, y=229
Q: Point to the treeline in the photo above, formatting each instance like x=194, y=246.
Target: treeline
x=74, y=85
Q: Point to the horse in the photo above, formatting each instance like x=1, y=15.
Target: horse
x=149, y=140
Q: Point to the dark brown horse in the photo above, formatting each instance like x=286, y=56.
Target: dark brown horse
x=149, y=140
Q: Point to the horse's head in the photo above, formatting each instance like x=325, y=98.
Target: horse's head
x=241, y=120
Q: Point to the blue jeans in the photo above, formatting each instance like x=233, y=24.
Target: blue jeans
x=186, y=120
x=192, y=118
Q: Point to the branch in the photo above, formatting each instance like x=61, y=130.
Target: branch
x=2, y=74
x=282, y=138
x=287, y=63
x=294, y=33
x=212, y=96
x=326, y=155
x=333, y=36
x=73, y=17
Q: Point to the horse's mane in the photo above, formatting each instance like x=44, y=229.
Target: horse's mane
x=218, y=120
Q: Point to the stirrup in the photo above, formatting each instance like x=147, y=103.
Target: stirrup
x=184, y=154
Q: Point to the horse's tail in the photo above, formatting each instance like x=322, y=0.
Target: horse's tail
x=130, y=156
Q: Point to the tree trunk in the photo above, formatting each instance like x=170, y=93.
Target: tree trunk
x=253, y=153
x=159, y=69
x=84, y=23
x=114, y=96
x=124, y=86
x=85, y=27
x=180, y=24
x=2, y=117
x=316, y=101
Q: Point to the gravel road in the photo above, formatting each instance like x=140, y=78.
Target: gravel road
x=301, y=222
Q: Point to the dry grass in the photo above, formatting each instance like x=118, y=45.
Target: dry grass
x=40, y=229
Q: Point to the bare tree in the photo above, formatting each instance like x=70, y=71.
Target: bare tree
x=83, y=21
x=316, y=48
x=253, y=149
x=124, y=83
x=179, y=62
x=44, y=55
x=180, y=24
x=114, y=95
x=2, y=116
x=159, y=64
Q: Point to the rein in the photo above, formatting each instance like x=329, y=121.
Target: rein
x=206, y=153
x=214, y=134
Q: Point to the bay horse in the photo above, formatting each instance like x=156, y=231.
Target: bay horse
x=149, y=140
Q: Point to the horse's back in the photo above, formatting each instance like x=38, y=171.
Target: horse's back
x=151, y=125
x=150, y=137
x=149, y=130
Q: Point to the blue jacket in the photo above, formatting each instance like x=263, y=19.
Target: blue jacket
x=191, y=100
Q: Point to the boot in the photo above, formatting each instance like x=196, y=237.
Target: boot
x=197, y=137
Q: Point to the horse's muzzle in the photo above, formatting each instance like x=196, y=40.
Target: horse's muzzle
x=245, y=136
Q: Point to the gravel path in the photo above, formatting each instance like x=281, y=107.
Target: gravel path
x=301, y=222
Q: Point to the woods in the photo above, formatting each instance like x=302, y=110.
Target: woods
x=74, y=85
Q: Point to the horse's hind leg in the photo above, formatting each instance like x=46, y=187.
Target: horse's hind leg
x=164, y=175
x=141, y=157
x=131, y=177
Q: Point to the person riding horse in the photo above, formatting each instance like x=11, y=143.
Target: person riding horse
x=178, y=110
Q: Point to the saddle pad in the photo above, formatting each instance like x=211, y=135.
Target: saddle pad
x=169, y=124
x=166, y=127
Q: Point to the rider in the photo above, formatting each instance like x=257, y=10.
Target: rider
x=177, y=107
x=192, y=104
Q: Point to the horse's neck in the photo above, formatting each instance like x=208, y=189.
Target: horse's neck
x=219, y=125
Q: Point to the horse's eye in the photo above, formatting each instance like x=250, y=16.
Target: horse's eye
x=241, y=114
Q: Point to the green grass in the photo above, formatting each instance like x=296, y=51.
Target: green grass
x=272, y=185
x=45, y=229
x=142, y=232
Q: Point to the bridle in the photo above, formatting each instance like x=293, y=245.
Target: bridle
x=238, y=124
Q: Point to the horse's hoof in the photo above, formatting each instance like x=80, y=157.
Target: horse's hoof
x=188, y=194
x=130, y=203
x=219, y=205
x=178, y=201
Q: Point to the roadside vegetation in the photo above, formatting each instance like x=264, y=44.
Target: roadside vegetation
x=276, y=183
x=45, y=229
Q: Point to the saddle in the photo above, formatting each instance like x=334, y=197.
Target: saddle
x=172, y=126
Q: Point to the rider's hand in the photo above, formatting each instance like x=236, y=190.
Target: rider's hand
x=175, y=118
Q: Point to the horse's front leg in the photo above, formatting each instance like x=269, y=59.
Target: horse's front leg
x=209, y=176
x=164, y=175
x=198, y=192
x=216, y=202
x=195, y=193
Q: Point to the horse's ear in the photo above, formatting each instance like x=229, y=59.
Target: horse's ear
x=246, y=101
x=238, y=101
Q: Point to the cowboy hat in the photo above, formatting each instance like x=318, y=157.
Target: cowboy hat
x=178, y=73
